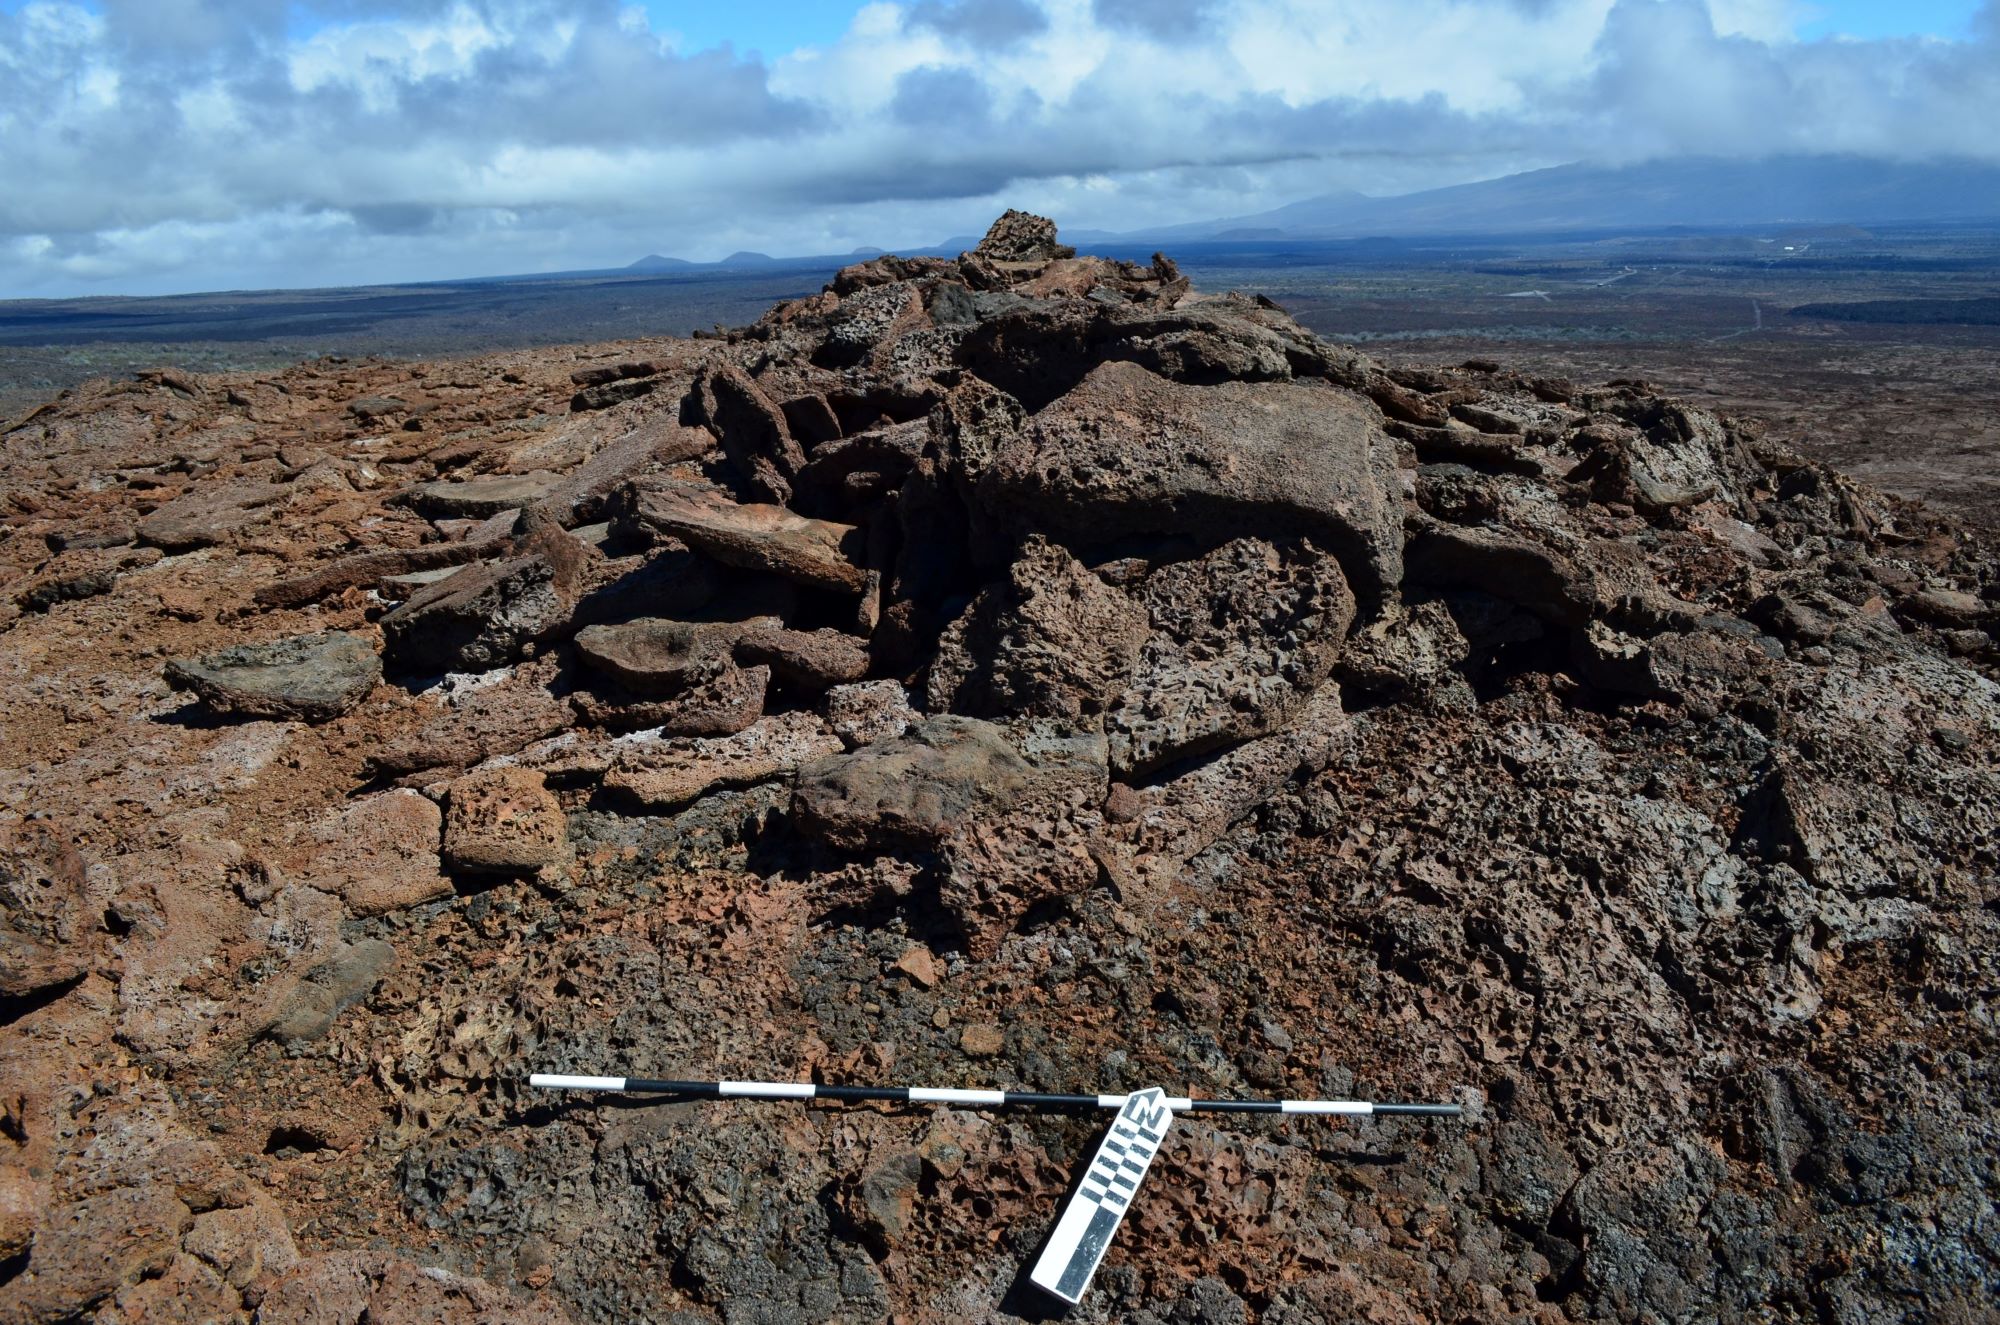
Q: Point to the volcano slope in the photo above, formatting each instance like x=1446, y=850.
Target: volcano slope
x=1016, y=671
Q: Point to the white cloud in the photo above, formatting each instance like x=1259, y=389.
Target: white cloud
x=148, y=144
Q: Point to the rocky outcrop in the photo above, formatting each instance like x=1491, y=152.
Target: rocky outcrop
x=1018, y=669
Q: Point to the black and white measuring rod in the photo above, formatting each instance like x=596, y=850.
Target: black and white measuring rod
x=1084, y=1231
x=978, y=1099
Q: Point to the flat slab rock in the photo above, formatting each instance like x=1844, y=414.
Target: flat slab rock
x=675, y=772
x=479, y=618
x=813, y=659
x=211, y=513
x=655, y=656
x=477, y=498
x=722, y=706
x=309, y=678
x=918, y=788
x=756, y=536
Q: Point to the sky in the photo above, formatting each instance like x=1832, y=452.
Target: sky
x=155, y=146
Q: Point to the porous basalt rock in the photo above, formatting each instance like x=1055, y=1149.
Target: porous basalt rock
x=1239, y=641
x=1053, y=641
x=1022, y=237
x=502, y=822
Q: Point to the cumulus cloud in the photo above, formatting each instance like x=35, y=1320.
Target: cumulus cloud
x=987, y=23
x=1162, y=20
x=187, y=144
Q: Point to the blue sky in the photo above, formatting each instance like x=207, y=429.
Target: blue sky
x=1868, y=19
x=775, y=27
x=155, y=145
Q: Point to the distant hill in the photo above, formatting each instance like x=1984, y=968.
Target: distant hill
x=654, y=262
x=746, y=258
x=1793, y=191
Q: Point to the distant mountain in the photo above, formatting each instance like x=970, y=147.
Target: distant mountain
x=654, y=262
x=746, y=258
x=865, y=252
x=1792, y=190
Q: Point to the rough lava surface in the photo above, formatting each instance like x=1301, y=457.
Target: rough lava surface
x=1022, y=671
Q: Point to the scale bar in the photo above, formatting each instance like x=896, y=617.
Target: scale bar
x=990, y=1099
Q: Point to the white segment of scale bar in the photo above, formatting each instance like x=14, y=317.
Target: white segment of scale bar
x=1326, y=1106
x=550, y=1082
x=944, y=1095
x=769, y=1090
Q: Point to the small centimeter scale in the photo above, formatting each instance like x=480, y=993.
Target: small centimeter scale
x=1084, y=1231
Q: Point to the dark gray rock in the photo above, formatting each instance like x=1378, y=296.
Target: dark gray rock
x=309, y=678
x=330, y=987
x=483, y=617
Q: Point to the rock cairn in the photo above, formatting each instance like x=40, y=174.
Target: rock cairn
x=1028, y=623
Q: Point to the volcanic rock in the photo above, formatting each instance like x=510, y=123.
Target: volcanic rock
x=1284, y=723
x=813, y=659
x=330, y=988
x=1241, y=638
x=917, y=789
x=375, y=1286
x=1054, y=641
x=481, y=718
x=477, y=498
x=664, y=776
x=753, y=430
x=1167, y=824
x=1008, y=816
x=74, y=575
x=308, y=678
x=484, y=616
x=379, y=854
x=502, y=822
x=657, y=657
x=1130, y=453
x=868, y=712
x=723, y=705
x=1022, y=237
x=819, y=553
x=211, y=514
